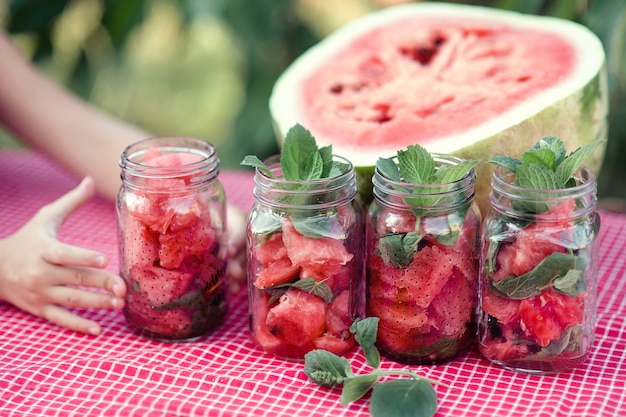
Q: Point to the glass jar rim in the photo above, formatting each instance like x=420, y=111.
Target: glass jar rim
x=504, y=193
x=386, y=189
x=585, y=177
x=200, y=171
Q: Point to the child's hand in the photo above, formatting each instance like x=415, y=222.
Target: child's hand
x=41, y=275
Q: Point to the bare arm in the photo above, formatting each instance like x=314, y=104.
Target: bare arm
x=48, y=117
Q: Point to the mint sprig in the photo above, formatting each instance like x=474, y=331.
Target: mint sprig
x=563, y=272
x=412, y=396
x=416, y=166
x=302, y=162
x=546, y=166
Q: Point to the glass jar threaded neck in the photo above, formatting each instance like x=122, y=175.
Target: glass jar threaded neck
x=431, y=197
x=169, y=164
x=537, y=205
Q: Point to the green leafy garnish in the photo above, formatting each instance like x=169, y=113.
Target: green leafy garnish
x=564, y=273
x=546, y=166
x=412, y=396
x=300, y=159
x=436, y=186
x=416, y=166
x=310, y=285
x=302, y=162
x=398, y=249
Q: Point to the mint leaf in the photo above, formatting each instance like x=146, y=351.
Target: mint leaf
x=551, y=268
x=452, y=173
x=536, y=177
x=389, y=168
x=356, y=387
x=540, y=156
x=311, y=286
x=337, y=169
x=326, y=153
x=313, y=167
x=403, y=397
x=409, y=397
x=365, y=332
x=312, y=226
x=570, y=165
x=298, y=145
x=326, y=369
x=553, y=144
x=506, y=162
x=571, y=284
x=416, y=164
x=398, y=249
x=253, y=161
x=545, y=166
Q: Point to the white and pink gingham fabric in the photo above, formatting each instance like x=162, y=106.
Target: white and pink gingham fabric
x=48, y=371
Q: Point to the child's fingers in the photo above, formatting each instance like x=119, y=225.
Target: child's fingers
x=64, y=254
x=64, y=318
x=88, y=278
x=81, y=298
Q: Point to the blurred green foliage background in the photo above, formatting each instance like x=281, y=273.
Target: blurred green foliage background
x=205, y=68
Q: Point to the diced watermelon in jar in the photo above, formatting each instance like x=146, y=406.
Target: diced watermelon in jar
x=297, y=320
x=426, y=307
x=171, y=219
x=140, y=245
x=319, y=258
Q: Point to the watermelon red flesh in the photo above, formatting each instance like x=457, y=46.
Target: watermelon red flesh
x=457, y=67
x=470, y=81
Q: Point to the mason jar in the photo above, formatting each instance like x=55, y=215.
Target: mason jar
x=171, y=231
x=305, y=262
x=422, y=266
x=539, y=275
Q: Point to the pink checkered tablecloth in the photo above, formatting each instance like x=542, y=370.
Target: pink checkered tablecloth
x=45, y=370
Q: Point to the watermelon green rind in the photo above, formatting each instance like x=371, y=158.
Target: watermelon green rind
x=575, y=109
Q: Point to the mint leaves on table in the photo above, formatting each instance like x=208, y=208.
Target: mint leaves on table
x=546, y=166
x=301, y=162
x=412, y=396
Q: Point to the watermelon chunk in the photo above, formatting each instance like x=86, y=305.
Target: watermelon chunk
x=319, y=258
x=297, y=320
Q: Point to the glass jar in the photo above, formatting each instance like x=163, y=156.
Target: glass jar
x=171, y=229
x=422, y=266
x=538, y=281
x=305, y=263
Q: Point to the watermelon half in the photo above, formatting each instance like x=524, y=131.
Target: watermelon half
x=465, y=80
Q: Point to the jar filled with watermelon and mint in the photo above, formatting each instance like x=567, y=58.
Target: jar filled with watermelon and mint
x=538, y=280
x=171, y=226
x=422, y=256
x=305, y=253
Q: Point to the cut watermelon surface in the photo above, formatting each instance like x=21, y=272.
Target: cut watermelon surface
x=169, y=255
x=470, y=81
